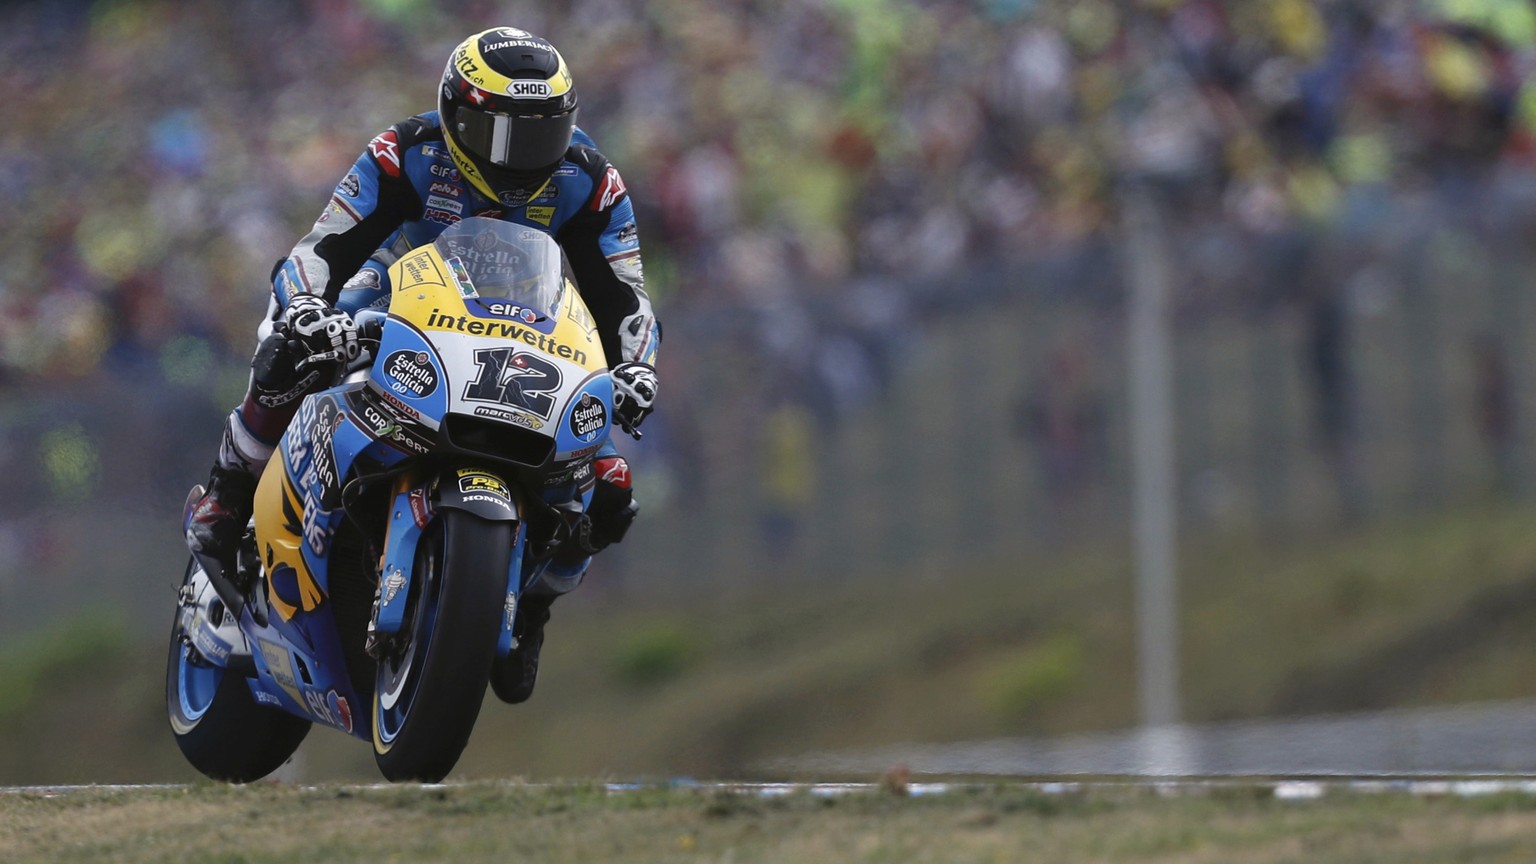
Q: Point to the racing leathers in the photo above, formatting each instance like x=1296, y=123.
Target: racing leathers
x=403, y=191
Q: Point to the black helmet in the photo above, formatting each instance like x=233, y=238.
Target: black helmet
x=508, y=108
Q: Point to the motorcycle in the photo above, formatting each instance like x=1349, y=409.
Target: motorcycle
x=404, y=514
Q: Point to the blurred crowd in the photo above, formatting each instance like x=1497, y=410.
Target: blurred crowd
x=808, y=174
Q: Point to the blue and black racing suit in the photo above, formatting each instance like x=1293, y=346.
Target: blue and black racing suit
x=404, y=190
x=401, y=193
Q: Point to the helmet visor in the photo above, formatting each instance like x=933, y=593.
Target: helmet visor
x=521, y=143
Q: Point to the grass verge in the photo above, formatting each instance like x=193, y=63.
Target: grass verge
x=583, y=823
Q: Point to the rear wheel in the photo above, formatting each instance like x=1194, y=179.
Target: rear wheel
x=430, y=685
x=218, y=725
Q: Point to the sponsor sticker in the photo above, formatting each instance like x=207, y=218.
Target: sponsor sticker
x=280, y=664
x=588, y=418
x=207, y=644
x=541, y=215
x=421, y=510
x=391, y=587
x=437, y=320
x=442, y=203
x=330, y=708
x=578, y=313
x=512, y=310
x=530, y=90
x=364, y=278
x=461, y=277
x=513, y=197
x=512, y=43
x=340, y=709
x=410, y=373
x=489, y=499
x=514, y=417
x=395, y=403
x=475, y=481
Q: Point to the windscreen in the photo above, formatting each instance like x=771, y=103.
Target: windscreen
x=491, y=259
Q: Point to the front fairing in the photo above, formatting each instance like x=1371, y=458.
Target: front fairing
x=495, y=343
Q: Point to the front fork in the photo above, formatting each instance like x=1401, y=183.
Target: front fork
x=414, y=500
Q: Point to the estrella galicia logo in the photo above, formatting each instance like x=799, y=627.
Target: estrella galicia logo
x=588, y=418
x=410, y=373
x=513, y=197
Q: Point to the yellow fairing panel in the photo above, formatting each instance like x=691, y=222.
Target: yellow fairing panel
x=423, y=296
x=280, y=536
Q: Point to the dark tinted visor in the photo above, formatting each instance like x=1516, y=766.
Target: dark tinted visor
x=519, y=143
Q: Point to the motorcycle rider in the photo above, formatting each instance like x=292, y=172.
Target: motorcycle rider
x=502, y=143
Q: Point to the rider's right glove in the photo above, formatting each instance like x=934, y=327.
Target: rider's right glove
x=634, y=395
x=327, y=333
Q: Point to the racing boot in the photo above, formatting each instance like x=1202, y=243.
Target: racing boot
x=513, y=677
x=217, y=520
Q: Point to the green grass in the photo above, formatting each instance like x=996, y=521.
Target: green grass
x=583, y=822
x=1423, y=611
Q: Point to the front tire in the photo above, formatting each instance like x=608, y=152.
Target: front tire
x=430, y=686
x=218, y=725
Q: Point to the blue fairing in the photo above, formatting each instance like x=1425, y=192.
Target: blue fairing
x=408, y=369
x=300, y=662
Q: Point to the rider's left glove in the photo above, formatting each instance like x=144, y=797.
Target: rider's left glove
x=326, y=333
x=634, y=395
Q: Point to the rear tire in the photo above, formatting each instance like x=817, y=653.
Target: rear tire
x=218, y=725
x=429, y=689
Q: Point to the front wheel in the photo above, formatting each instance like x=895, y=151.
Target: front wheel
x=430, y=685
x=218, y=725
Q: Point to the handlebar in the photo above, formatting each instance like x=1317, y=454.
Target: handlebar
x=370, y=329
x=370, y=323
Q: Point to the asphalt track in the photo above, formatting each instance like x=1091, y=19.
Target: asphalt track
x=1463, y=750
x=1496, y=739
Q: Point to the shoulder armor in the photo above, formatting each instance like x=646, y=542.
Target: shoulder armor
x=388, y=146
x=607, y=186
x=592, y=162
x=422, y=127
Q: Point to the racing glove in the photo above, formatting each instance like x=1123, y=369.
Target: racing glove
x=634, y=395
x=326, y=333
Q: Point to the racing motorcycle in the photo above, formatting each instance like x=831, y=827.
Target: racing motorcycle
x=404, y=514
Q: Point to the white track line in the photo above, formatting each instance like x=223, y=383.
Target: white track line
x=1289, y=789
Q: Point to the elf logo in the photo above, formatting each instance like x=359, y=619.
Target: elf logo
x=529, y=90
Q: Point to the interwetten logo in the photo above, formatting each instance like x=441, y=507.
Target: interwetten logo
x=505, y=330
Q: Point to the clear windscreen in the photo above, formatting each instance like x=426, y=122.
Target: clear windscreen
x=492, y=259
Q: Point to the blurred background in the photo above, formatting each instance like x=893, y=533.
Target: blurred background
x=898, y=246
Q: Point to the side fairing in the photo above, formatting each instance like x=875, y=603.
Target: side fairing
x=299, y=656
x=298, y=501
